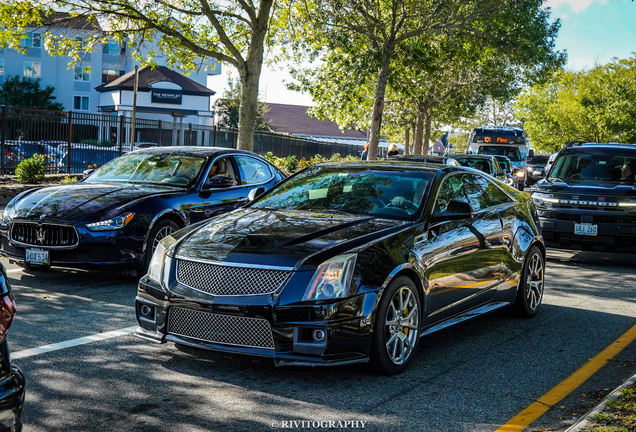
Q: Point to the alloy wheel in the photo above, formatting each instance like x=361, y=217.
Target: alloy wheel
x=161, y=234
x=401, y=325
x=534, y=282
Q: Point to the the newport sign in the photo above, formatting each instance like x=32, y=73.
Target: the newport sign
x=166, y=96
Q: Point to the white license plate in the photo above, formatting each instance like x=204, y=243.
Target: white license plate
x=37, y=256
x=585, y=229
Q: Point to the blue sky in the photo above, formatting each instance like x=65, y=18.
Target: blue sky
x=592, y=31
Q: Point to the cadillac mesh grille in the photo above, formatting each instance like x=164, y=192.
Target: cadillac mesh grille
x=44, y=234
x=217, y=328
x=225, y=280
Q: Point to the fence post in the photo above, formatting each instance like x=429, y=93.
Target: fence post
x=189, y=134
x=70, y=141
x=122, y=135
x=160, y=133
x=214, y=138
x=3, y=133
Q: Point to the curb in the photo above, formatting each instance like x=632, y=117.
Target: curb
x=583, y=421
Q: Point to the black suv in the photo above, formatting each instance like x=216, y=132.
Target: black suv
x=588, y=199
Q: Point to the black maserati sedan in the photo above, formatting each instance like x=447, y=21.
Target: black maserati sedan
x=11, y=378
x=119, y=213
x=346, y=263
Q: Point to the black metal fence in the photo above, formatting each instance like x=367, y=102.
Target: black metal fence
x=71, y=141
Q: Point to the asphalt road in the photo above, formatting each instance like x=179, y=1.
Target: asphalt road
x=473, y=377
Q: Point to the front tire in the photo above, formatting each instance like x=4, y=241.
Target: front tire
x=160, y=231
x=396, y=328
x=531, y=285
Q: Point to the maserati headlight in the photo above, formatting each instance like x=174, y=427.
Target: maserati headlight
x=542, y=199
x=332, y=278
x=158, y=261
x=111, y=224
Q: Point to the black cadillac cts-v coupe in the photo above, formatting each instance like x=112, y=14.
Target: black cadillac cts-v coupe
x=346, y=263
x=117, y=215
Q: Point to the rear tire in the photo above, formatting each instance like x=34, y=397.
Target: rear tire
x=396, y=328
x=531, y=285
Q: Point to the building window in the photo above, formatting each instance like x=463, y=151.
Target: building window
x=1, y=67
x=110, y=75
x=32, y=69
x=81, y=103
x=82, y=74
x=33, y=40
x=114, y=47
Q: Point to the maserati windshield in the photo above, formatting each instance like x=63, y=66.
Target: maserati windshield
x=389, y=194
x=599, y=164
x=155, y=168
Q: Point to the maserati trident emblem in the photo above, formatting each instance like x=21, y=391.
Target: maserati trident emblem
x=40, y=235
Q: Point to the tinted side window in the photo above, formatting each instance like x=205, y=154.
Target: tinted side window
x=458, y=187
x=252, y=171
x=490, y=195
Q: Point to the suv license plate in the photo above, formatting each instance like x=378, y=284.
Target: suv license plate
x=37, y=256
x=585, y=229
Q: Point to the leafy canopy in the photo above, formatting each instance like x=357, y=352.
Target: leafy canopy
x=24, y=92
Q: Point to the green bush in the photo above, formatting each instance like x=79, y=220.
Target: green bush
x=31, y=170
x=69, y=179
x=291, y=163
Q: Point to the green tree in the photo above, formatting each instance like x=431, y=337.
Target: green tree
x=228, y=107
x=23, y=92
x=369, y=34
x=186, y=32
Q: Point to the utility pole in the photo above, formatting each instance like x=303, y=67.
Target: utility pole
x=134, y=109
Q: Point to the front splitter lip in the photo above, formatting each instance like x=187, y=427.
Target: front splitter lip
x=280, y=358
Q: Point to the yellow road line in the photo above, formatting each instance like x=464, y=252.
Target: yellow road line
x=567, y=386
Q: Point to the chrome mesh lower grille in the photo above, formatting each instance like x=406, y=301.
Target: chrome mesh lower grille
x=226, y=280
x=225, y=329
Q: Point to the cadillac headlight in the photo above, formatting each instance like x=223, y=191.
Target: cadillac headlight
x=111, y=224
x=332, y=278
x=158, y=261
x=6, y=215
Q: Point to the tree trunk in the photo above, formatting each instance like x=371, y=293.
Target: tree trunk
x=417, y=138
x=427, y=131
x=378, y=105
x=407, y=140
x=250, y=74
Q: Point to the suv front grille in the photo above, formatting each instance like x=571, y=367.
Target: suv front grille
x=226, y=280
x=35, y=234
x=217, y=328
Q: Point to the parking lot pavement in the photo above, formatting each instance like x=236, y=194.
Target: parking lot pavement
x=471, y=377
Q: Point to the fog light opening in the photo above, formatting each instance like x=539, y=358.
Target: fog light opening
x=146, y=310
x=319, y=335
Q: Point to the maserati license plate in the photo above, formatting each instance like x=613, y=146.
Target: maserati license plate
x=37, y=256
x=585, y=229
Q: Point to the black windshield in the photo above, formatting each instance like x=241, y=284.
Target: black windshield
x=600, y=164
x=511, y=153
x=365, y=191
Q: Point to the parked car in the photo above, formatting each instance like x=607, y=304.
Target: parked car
x=536, y=168
x=484, y=163
x=11, y=377
x=347, y=263
x=444, y=160
x=120, y=212
x=588, y=199
x=83, y=156
x=511, y=178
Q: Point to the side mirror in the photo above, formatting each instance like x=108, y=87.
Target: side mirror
x=87, y=172
x=254, y=193
x=218, y=182
x=500, y=173
x=530, y=153
x=456, y=210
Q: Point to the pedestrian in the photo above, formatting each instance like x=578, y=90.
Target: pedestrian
x=393, y=151
x=365, y=152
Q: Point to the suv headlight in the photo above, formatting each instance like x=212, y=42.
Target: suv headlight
x=542, y=199
x=630, y=205
x=332, y=278
x=158, y=261
x=111, y=224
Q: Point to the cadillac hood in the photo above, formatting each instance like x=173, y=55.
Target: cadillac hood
x=81, y=201
x=288, y=238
